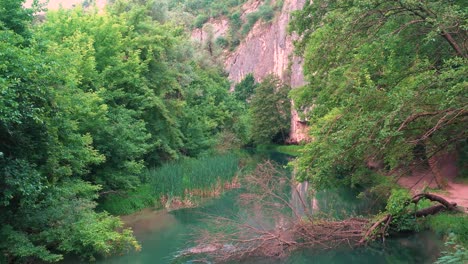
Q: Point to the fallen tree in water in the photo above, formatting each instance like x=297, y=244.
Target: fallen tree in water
x=381, y=227
x=274, y=226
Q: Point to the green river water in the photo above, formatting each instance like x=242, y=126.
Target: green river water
x=162, y=234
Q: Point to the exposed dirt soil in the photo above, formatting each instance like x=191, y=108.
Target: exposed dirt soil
x=420, y=177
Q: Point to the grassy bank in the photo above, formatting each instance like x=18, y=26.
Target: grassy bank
x=454, y=229
x=129, y=202
x=201, y=177
x=175, y=179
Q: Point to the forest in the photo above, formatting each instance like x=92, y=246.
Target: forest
x=89, y=102
x=99, y=105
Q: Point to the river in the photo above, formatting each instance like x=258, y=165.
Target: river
x=163, y=234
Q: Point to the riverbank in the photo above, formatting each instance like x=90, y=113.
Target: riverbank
x=454, y=189
x=177, y=184
x=165, y=234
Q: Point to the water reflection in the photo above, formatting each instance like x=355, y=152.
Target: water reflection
x=162, y=234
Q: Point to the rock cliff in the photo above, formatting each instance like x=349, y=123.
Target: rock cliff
x=267, y=49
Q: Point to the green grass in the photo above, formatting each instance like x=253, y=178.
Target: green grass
x=446, y=223
x=193, y=174
x=173, y=179
x=454, y=228
x=127, y=203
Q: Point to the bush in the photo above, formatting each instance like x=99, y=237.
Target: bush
x=266, y=12
x=200, y=20
x=453, y=253
x=127, y=203
x=446, y=223
x=222, y=42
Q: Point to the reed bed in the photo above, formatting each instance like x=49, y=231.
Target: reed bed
x=201, y=176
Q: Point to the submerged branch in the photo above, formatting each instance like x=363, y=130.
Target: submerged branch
x=274, y=227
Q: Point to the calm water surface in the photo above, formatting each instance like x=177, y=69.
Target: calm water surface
x=162, y=234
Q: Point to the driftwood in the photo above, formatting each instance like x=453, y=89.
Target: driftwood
x=268, y=232
x=387, y=219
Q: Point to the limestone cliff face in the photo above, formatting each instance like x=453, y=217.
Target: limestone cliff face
x=268, y=48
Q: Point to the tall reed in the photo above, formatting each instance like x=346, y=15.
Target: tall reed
x=203, y=174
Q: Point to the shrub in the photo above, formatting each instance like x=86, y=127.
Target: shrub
x=200, y=20
x=446, y=223
x=222, y=42
x=129, y=202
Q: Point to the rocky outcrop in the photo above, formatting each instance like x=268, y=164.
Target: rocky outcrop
x=214, y=28
x=267, y=49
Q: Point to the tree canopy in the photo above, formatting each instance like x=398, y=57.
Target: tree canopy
x=386, y=78
x=271, y=111
x=88, y=101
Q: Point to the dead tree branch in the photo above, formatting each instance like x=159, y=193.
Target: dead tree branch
x=272, y=227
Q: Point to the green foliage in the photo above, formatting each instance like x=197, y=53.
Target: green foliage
x=377, y=88
x=63, y=222
x=454, y=253
x=446, y=223
x=455, y=228
x=15, y=18
x=212, y=8
x=222, y=42
x=88, y=100
x=397, y=206
x=209, y=109
x=125, y=203
x=244, y=90
x=398, y=201
x=201, y=174
x=270, y=111
x=463, y=161
x=235, y=24
x=266, y=12
x=200, y=20
x=203, y=10
x=252, y=18
x=292, y=150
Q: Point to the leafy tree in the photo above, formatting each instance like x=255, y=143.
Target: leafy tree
x=87, y=101
x=270, y=111
x=245, y=88
x=63, y=222
x=44, y=150
x=210, y=109
x=385, y=77
x=14, y=17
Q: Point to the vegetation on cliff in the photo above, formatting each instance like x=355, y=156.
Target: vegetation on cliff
x=196, y=13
